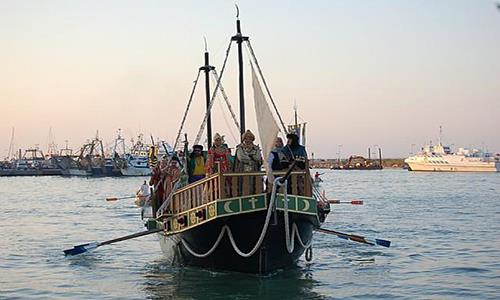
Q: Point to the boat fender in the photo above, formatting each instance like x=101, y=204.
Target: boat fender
x=309, y=254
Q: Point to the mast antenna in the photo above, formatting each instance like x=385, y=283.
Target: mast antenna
x=295, y=113
x=11, y=145
x=440, y=133
x=239, y=39
x=207, y=68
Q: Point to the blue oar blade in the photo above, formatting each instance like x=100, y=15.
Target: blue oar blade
x=384, y=243
x=343, y=237
x=78, y=249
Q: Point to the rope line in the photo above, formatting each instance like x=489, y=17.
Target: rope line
x=187, y=110
x=223, y=92
x=226, y=121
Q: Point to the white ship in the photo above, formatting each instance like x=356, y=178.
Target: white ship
x=439, y=158
x=137, y=160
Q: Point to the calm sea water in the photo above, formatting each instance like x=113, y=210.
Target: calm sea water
x=445, y=230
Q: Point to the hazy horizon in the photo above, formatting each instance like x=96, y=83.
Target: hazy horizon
x=362, y=73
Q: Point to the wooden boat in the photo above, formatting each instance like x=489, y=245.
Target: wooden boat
x=238, y=221
x=226, y=222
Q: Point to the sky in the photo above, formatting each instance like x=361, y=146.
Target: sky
x=362, y=73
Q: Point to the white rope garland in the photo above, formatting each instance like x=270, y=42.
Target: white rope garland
x=289, y=237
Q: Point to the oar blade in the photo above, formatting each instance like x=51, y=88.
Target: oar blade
x=384, y=243
x=79, y=249
x=112, y=199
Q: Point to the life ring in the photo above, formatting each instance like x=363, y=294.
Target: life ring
x=309, y=254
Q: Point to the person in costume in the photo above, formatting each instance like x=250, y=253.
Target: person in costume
x=218, y=155
x=171, y=174
x=295, y=152
x=157, y=178
x=248, y=155
x=277, y=160
x=196, y=164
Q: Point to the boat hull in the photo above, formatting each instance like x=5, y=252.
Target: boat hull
x=30, y=172
x=106, y=171
x=76, y=172
x=426, y=167
x=246, y=229
x=133, y=171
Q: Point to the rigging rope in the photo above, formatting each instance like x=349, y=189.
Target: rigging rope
x=209, y=108
x=226, y=121
x=265, y=84
x=187, y=110
x=233, y=115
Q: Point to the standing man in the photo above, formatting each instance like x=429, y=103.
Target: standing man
x=295, y=152
x=196, y=164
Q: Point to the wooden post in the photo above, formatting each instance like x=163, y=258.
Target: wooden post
x=295, y=184
x=222, y=185
x=246, y=185
x=258, y=184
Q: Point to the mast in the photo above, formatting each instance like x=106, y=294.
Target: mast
x=207, y=68
x=380, y=156
x=11, y=145
x=239, y=38
x=296, y=119
x=440, y=134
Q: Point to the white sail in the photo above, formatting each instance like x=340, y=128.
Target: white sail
x=266, y=124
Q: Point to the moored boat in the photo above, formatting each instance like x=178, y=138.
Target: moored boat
x=32, y=163
x=137, y=160
x=440, y=158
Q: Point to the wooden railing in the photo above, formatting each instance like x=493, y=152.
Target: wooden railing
x=195, y=194
x=229, y=185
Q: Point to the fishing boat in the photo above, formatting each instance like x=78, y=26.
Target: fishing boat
x=239, y=221
x=32, y=163
x=92, y=161
x=137, y=160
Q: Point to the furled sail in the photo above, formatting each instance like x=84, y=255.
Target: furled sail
x=268, y=129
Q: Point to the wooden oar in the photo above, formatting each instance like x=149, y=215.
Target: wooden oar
x=78, y=249
x=353, y=202
x=356, y=238
x=119, y=198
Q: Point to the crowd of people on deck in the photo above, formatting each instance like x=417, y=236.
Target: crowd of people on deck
x=247, y=158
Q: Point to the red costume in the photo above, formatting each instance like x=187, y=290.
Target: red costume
x=218, y=155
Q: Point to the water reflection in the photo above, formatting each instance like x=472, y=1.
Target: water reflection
x=162, y=281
